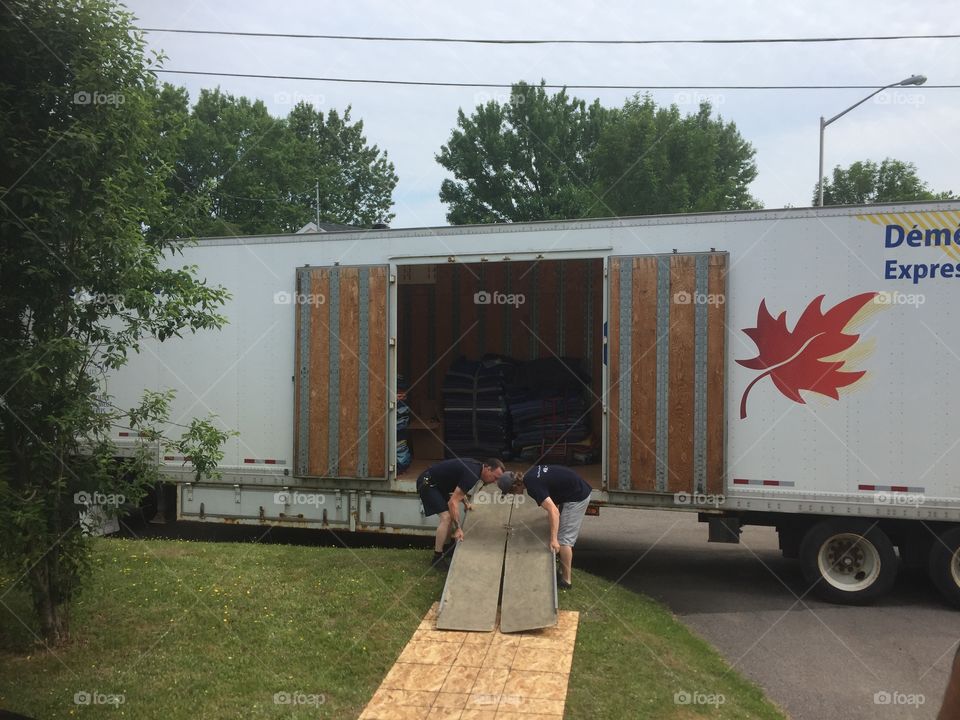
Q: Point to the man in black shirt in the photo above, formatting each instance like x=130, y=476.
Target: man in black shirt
x=565, y=497
x=443, y=486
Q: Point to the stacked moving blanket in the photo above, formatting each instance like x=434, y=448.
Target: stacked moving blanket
x=536, y=410
x=404, y=456
x=548, y=402
x=539, y=420
x=475, y=418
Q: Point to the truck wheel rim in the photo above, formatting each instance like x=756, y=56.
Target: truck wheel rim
x=849, y=562
x=955, y=567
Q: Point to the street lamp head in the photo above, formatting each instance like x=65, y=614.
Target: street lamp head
x=914, y=80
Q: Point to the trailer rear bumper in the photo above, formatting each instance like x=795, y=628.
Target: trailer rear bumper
x=292, y=506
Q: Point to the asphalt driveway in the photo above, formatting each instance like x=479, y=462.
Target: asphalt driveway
x=815, y=660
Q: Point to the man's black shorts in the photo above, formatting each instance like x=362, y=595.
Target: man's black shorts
x=434, y=501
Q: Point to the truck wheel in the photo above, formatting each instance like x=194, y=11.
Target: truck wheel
x=944, y=566
x=848, y=561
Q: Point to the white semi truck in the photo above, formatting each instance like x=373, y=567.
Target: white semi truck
x=786, y=368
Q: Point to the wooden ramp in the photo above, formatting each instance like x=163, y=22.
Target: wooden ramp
x=472, y=590
x=529, y=573
x=504, y=539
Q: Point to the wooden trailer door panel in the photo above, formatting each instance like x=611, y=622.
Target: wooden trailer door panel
x=341, y=379
x=665, y=380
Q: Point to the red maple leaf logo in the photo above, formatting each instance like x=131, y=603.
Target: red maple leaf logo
x=794, y=360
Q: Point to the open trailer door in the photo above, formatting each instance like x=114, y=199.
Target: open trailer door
x=341, y=380
x=665, y=380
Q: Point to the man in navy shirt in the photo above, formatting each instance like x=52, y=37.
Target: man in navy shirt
x=443, y=486
x=565, y=497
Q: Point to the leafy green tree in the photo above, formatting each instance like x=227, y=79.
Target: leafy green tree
x=242, y=171
x=867, y=182
x=541, y=157
x=524, y=159
x=652, y=160
x=181, y=210
x=82, y=280
x=228, y=162
x=356, y=180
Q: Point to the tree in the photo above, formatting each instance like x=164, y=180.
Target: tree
x=541, y=157
x=242, y=171
x=228, y=166
x=181, y=210
x=866, y=182
x=652, y=160
x=83, y=278
x=356, y=180
x=525, y=159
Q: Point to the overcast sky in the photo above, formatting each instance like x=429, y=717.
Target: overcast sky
x=917, y=125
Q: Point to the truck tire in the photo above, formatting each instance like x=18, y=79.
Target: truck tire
x=944, y=565
x=851, y=562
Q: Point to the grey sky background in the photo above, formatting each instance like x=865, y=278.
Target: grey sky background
x=912, y=124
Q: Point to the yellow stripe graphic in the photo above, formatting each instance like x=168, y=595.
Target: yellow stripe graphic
x=927, y=220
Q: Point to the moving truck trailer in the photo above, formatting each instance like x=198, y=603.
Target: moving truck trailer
x=783, y=368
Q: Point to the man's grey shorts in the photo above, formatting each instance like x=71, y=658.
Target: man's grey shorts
x=571, y=518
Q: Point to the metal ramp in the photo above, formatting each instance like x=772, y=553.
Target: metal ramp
x=472, y=589
x=505, y=538
x=529, y=571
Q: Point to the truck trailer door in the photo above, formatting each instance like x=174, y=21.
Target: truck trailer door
x=665, y=380
x=341, y=380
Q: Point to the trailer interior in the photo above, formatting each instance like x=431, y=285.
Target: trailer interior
x=501, y=359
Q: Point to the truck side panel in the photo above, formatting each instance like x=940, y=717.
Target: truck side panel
x=841, y=450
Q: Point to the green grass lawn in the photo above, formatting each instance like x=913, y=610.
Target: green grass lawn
x=215, y=630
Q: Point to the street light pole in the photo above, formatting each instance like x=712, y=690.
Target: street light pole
x=823, y=127
x=912, y=80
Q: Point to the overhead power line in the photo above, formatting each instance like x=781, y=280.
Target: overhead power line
x=562, y=41
x=429, y=83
